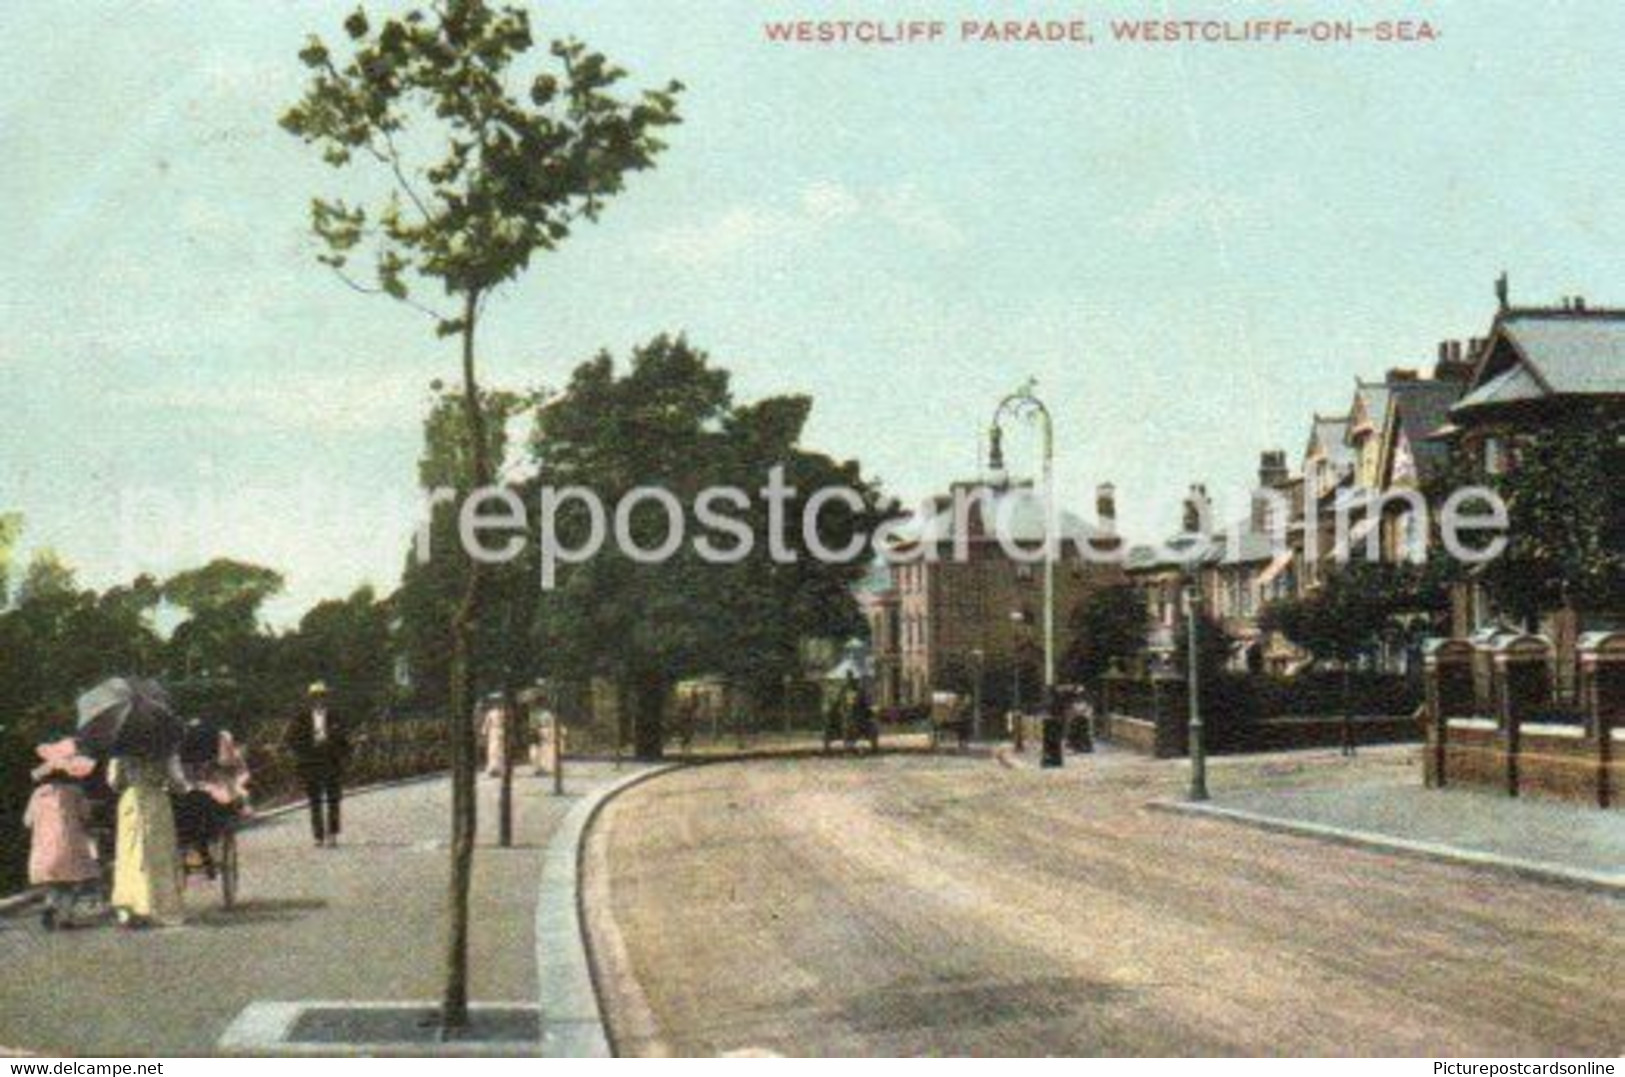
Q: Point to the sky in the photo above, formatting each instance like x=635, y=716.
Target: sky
x=1192, y=248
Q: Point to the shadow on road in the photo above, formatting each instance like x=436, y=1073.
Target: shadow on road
x=262, y=911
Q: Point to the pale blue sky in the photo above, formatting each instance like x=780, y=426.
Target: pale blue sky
x=1193, y=248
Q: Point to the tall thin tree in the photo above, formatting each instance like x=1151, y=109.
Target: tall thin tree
x=488, y=160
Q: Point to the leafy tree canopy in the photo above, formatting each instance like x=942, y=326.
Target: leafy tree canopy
x=670, y=421
x=491, y=160
x=1565, y=498
x=1107, y=626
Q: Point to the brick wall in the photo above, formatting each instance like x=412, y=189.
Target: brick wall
x=1564, y=765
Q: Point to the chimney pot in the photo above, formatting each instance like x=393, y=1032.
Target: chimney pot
x=1106, y=502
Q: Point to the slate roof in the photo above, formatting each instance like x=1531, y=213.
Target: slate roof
x=1374, y=396
x=1018, y=508
x=1553, y=353
x=1573, y=354
x=1331, y=432
x=1420, y=408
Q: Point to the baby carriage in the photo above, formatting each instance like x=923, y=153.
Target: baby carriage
x=209, y=813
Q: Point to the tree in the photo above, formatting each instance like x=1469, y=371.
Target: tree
x=1347, y=616
x=670, y=421
x=222, y=635
x=432, y=587
x=347, y=642
x=486, y=168
x=11, y=529
x=1108, y=626
x=1566, y=513
x=57, y=640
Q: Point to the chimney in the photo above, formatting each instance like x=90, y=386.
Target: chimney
x=1580, y=303
x=1272, y=470
x=1196, y=511
x=1401, y=374
x=1106, y=505
x=1455, y=363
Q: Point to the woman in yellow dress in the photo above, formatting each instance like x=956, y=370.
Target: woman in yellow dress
x=146, y=870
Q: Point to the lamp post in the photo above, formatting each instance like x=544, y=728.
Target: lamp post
x=977, y=657
x=1197, y=745
x=1024, y=403
x=1017, y=619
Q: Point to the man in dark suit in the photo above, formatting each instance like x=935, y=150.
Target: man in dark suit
x=320, y=746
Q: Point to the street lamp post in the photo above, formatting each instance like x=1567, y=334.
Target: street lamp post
x=977, y=657
x=1197, y=743
x=1017, y=619
x=1024, y=403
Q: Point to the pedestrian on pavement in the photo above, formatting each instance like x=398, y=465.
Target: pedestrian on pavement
x=146, y=866
x=494, y=731
x=835, y=719
x=544, y=731
x=320, y=745
x=864, y=723
x=62, y=853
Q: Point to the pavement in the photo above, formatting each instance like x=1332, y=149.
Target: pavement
x=1560, y=841
x=363, y=922
x=912, y=905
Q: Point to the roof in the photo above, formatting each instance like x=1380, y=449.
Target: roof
x=1372, y=398
x=1513, y=384
x=1331, y=434
x=1239, y=544
x=1573, y=354
x=1017, y=511
x=1535, y=355
x=877, y=580
x=1420, y=408
x=1177, y=551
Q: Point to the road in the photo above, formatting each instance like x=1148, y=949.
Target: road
x=361, y=922
x=909, y=906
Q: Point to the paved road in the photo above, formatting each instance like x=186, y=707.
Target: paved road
x=362, y=922
x=911, y=905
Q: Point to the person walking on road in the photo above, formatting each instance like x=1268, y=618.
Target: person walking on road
x=62, y=854
x=146, y=866
x=320, y=745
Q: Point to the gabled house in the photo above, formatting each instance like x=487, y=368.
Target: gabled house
x=1537, y=365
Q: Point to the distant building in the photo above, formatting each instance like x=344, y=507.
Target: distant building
x=955, y=604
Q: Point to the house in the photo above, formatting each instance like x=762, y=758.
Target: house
x=964, y=606
x=1536, y=367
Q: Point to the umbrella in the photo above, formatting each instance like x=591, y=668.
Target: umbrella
x=128, y=716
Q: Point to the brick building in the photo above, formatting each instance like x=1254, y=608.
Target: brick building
x=955, y=605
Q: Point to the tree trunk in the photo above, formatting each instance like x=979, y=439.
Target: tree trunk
x=464, y=624
x=1348, y=715
x=649, y=733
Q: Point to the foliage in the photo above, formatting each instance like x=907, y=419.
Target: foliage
x=431, y=588
x=1107, y=627
x=1566, y=516
x=348, y=644
x=488, y=165
x=1357, y=606
x=11, y=529
x=670, y=421
x=222, y=636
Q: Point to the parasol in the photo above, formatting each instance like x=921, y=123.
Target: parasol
x=128, y=716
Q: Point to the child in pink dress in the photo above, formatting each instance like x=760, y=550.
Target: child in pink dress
x=62, y=857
